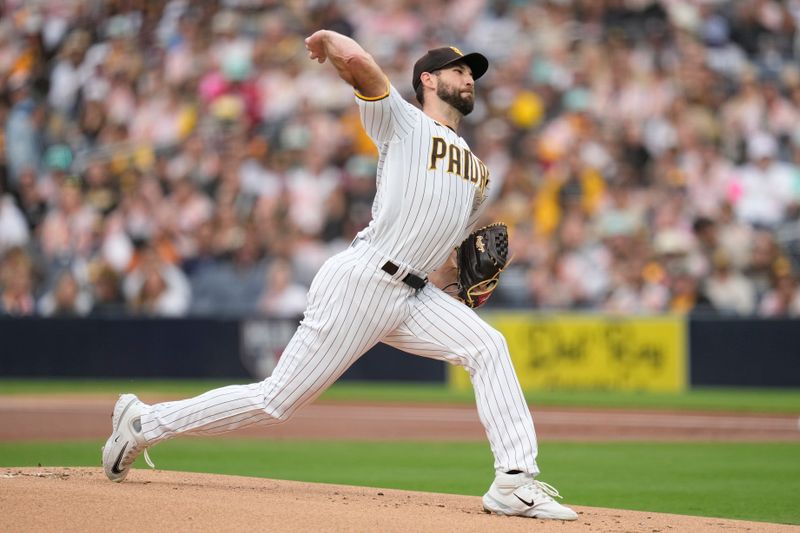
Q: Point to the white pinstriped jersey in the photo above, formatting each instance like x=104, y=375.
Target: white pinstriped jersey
x=430, y=187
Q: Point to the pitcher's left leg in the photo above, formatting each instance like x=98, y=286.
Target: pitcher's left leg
x=443, y=328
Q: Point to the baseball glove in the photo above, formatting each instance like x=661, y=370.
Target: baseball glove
x=480, y=259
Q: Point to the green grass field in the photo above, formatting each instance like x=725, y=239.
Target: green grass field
x=704, y=399
x=753, y=481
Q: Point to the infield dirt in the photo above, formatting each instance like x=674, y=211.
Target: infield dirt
x=82, y=499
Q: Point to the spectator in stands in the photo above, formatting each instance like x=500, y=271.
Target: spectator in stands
x=583, y=262
x=30, y=199
x=22, y=128
x=16, y=283
x=203, y=252
x=686, y=294
x=622, y=213
x=708, y=180
x=184, y=210
x=232, y=286
x=764, y=187
x=66, y=299
x=704, y=246
x=727, y=289
x=764, y=255
x=13, y=226
x=101, y=194
x=66, y=231
x=783, y=298
x=638, y=288
x=156, y=287
x=67, y=75
x=309, y=187
x=735, y=237
x=282, y=297
x=107, y=297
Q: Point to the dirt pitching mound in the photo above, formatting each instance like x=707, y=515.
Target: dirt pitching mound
x=82, y=499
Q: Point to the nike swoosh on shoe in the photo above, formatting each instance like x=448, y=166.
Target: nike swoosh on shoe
x=115, y=469
x=528, y=503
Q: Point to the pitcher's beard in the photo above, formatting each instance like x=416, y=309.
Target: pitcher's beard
x=454, y=98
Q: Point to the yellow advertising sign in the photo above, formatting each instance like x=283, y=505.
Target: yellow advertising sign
x=594, y=352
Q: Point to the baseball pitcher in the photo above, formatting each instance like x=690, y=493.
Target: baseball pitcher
x=431, y=190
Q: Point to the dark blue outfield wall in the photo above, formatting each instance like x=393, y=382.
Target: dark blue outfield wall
x=723, y=351
x=119, y=348
x=174, y=348
x=741, y=351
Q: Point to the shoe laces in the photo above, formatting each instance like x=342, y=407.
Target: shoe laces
x=150, y=461
x=540, y=487
x=137, y=426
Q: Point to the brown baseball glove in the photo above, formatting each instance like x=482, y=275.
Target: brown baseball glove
x=481, y=258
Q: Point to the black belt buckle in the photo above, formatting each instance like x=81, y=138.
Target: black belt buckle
x=411, y=280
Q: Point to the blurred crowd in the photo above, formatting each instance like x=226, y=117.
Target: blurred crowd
x=186, y=158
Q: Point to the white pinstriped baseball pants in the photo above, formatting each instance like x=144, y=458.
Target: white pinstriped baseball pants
x=353, y=305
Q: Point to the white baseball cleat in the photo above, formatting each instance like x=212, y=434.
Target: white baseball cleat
x=126, y=441
x=521, y=495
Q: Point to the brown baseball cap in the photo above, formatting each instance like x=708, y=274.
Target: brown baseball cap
x=439, y=58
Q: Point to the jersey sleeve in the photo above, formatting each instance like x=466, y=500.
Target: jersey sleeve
x=388, y=117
